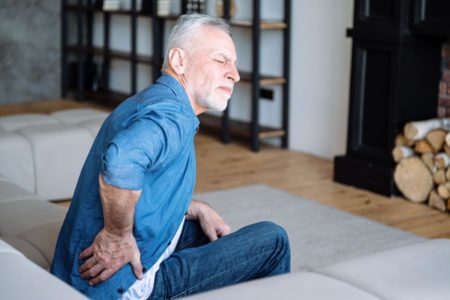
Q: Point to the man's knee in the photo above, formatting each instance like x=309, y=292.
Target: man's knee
x=274, y=233
x=275, y=238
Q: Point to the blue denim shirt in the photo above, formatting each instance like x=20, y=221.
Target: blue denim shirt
x=147, y=143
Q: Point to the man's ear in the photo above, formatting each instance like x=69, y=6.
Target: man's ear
x=177, y=60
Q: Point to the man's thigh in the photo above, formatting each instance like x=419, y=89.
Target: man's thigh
x=191, y=236
x=255, y=251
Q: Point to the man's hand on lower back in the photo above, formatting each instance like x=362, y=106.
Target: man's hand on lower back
x=107, y=254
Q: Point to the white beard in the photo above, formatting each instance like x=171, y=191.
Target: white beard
x=214, y=104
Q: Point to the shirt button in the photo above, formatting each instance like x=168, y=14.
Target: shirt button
x=168, y=244
x=120, y=290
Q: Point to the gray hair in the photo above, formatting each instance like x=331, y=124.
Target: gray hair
x=187, y=27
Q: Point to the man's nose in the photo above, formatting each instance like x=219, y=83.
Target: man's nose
x=233, y=73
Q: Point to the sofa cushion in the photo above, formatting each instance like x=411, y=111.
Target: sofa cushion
x=93, y=126
x=418, y=271
x=15, y=122
x=10, y=191
x=44, y=153
x=44, y=238
x=302, y=285
x=30, y=251
x=59, y=154
x=16, y=160
x=79, y=115
x=20, y=216
x=6, y=248
x=21, y=279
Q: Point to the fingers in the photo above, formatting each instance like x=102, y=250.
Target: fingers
x=223, y=230
x=92, y=272
x=87, y=252
x=211, y=234
x=136, y=265
x=87, y=265
x=102, y=277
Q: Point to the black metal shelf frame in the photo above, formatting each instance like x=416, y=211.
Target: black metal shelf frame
x=85, y=52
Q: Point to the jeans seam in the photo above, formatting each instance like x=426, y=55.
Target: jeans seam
x=183, y=293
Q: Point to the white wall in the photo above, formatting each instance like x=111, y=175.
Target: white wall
x=320, y=76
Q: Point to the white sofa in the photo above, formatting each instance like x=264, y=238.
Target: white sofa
x=415, y=272
x=29, y=226
x=44, y=153
x=28, y=230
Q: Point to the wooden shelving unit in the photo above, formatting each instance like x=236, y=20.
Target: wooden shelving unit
x=84, y=51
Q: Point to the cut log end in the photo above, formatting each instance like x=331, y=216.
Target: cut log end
x=435, y=201
x=413, y=179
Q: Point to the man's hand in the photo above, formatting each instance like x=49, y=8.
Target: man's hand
x=107, y=254
x=114, y=246
x=212, y=224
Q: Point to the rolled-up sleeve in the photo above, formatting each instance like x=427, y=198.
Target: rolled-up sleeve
x=137, y=148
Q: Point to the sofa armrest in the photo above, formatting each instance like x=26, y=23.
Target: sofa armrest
x=293, y=286
x=418, y=271
x=22, y=279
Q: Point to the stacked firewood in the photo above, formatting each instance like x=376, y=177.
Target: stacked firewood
x=422, y=154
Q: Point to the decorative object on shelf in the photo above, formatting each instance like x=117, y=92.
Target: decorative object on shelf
x=111, y=5
x=195, y=6
x=220, y=7
x=126, y=4
x=163, y=8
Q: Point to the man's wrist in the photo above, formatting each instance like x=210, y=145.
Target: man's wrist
x=117, y=232
x=195, y=210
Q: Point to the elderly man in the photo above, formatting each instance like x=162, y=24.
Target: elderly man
x=132, y=230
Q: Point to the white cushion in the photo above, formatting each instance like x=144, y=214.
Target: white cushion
x=419, y=271
x=79, y=115
x=5, y=248
x=30, y=251
x=22, y=279
x=92, y=125
x=302, y=285
x=59, y=154
x=16, y=160
x=15, y=122
x=44, y=238
x=10, y=191
x=18, y=217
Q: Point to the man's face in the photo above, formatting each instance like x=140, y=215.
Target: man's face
x=211, y=72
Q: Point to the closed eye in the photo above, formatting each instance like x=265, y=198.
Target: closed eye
x=219, y=61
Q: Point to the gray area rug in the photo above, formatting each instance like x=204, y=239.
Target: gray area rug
x=319, y=235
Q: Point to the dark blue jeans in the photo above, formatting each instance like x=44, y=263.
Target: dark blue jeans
x=197, y=265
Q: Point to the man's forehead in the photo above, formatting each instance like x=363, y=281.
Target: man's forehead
x=216, y=41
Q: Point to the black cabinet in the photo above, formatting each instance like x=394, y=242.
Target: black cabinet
x=394, y=79
x=81, y=54
x=431, y=17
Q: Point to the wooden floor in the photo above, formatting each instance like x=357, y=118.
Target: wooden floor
x=225, y=166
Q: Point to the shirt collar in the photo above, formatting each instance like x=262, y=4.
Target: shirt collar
x=176, y=87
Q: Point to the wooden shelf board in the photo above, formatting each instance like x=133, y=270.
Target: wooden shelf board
x=265, y=25
x=237, y=128
x=264, y=79
x=145, y=59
